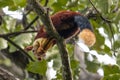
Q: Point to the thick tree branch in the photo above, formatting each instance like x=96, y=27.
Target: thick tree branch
x=52, y=32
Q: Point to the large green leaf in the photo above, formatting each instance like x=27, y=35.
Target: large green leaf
x=39, y=67
x=21, y=40
x=111, y=69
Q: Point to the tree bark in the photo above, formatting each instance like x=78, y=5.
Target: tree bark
x=5, y=75
x=44, y=15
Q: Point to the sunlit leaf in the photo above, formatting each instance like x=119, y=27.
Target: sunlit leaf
x=99, y=41
x=70, y=49
x=21, y=40
x=74, y=64
x=92, y=66
x=103, y=5
x=3, y=44
x=107, y=50
x=39, y=67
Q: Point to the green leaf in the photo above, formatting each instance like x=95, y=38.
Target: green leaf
x=75, y=68
x=70, y=49
x=39, y=67
x=92, y=66
x=59, y=5
x=62, y=2
x=21, y=40
x=59, y=75
x=73, y=4
x=118, y=58
x=20, y=3
x=103, y=5
x=48, y=4
x=3, y=44
x=99, y=41
x=107, y=50
x=112, y=77
x=4, y=3
x=74, y=64
x=111, y=69
x=12, y=4
x=116, y=43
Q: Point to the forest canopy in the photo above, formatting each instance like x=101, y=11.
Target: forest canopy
x=21, y=19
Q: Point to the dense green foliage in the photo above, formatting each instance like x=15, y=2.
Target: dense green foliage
x=109, y=10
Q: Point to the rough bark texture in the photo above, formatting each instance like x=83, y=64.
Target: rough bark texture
x=5, y=75
x=43, y=13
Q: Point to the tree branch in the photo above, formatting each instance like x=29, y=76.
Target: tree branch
x=108, y=22
x=46, y=2
x=66, y=70
x=5, y=75
x=16, y=33
x=24, y=53
x=5, y=36
x=29, y=25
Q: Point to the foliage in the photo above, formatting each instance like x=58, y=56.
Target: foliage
x=38, y=67
x=109, y=9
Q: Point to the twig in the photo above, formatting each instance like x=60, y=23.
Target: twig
x=27, y=27
x=24, y=53
x=24, y=20
x=36, y=18
x=66, y=70
x=5, y=75
x=16, y=33
x=112, y=32
x=28, y=12
x=46, y=2
x=106, y=20
x=116, y=7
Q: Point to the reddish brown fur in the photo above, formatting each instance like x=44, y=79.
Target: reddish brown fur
x=57, y=22
x=64, y=23
x=41, y=33
x=62, y=15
